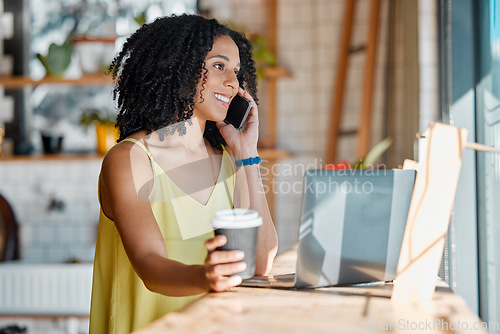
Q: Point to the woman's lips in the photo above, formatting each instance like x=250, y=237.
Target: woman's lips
x=224, y=99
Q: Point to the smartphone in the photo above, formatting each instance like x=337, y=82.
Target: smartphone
x=238, y=111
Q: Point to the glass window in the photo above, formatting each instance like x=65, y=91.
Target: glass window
x=488, y=131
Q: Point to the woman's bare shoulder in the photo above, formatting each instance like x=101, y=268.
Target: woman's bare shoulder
x=126, y=159
x=123, y=153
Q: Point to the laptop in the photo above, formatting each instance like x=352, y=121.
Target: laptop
x=351, y=228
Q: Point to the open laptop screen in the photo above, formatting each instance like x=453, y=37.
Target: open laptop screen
x=352, y=225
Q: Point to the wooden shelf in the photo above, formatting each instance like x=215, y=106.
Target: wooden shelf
x=276, y=72
x=10, y=82
x=52, y=157
x=13, y=82
x=273, y=153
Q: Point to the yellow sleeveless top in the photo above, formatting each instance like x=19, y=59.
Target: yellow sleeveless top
x=120, y=301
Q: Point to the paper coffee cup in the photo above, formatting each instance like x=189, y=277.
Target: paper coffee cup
x=241, y=227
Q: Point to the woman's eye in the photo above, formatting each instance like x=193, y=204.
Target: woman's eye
x=236, y=72
x=219, y=66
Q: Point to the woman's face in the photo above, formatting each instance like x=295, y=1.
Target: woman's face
x=222, y=64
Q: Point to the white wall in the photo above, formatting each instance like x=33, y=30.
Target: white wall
x=53, y=236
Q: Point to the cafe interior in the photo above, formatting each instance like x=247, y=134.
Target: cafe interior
x=342, y=84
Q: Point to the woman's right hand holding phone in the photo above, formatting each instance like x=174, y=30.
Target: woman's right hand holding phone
x=219, y=264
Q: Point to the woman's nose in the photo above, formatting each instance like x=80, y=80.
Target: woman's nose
x=232, y=80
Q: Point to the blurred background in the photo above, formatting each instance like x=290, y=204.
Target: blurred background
x=336, y=77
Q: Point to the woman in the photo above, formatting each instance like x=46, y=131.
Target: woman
x=173, y=167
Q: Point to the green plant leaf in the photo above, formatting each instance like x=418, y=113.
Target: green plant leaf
x=94, y=115
x=141, y=18
x=262, y=54
x=42, y=58
x=57, y=60
x=359, y=165
x=376, y=152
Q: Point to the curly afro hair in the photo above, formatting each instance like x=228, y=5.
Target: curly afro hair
x=158, y=70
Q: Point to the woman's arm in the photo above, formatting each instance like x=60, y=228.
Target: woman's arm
x=125, y=179
x=249, y=192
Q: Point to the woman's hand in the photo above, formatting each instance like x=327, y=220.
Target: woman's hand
x=244, y=142
x=219, y=264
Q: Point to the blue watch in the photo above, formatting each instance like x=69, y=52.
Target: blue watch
x=249, y=161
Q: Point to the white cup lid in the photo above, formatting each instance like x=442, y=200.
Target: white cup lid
x=236, y=218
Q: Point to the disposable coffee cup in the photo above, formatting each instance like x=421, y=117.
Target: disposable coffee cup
x=241, y=227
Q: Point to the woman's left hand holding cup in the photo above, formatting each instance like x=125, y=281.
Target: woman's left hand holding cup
x=220, y=264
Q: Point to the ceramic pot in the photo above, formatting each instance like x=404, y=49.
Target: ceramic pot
x=107, y=135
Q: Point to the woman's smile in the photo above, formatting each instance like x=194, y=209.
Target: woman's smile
x=224, y=99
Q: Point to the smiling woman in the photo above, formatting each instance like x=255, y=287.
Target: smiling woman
x=221, y=84
x=173, y=168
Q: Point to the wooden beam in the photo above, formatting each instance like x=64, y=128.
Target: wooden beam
x=391, y=119
x=364, y=133
x=339, y=87
x=271, y=112
x=272, y=10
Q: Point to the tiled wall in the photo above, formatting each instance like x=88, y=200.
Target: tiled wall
x=309, y=39
x=55, y=325
x=54, y=234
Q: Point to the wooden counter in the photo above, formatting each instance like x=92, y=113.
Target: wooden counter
x=325, y=310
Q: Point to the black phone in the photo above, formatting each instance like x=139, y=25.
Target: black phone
x=238, y=111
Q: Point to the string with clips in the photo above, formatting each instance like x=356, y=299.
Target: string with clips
x=473, y=146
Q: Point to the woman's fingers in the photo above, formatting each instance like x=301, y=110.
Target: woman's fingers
x=245, y=94
x=218, y=257
x=218, y=276
x=253, y=111
x=215, y=257
x=222, y=283
x=225, y=269
x=217, y=241
x=220, y=264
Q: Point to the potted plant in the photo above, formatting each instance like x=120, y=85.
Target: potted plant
x=57, y=59
x=95, y=53
x=104, y=122
x=263, y=56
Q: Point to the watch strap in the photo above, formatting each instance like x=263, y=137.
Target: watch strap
x=249, y=161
